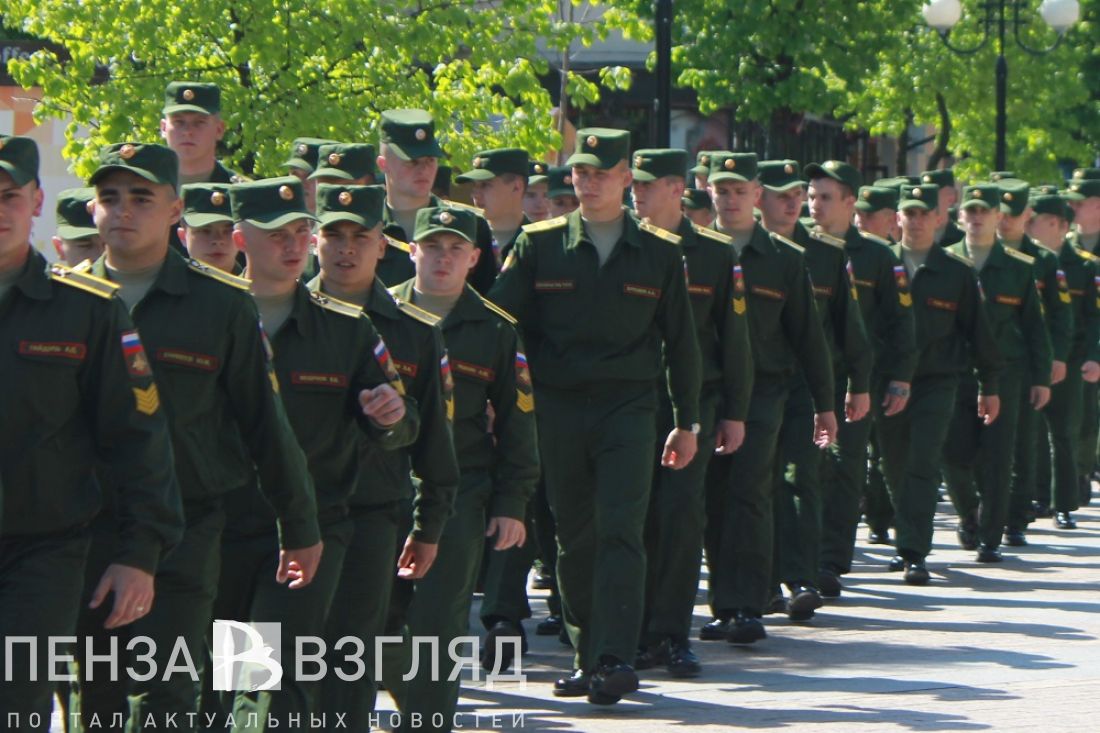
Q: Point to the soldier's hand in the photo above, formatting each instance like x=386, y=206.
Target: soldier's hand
x=416, y=559
x=731, y=434
x=1057, y=372
x=680, y=447
x=1090, y=371
x=988, y=408
x=382, y=405
x=856, y=406
x=299, y=565
x=510, y=532
x=1040, y=396
x=133, y=589
x=824, y=429
x=897, y=397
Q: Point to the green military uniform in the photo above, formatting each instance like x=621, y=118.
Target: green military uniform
x=978, y=459
x=227, y=423
x=85, y=400
x=499, y=467
x=952, y=329
x=951, y=233
x=595, y=335
x=379, y=507
x=74, y=220
x=1086, y=184
x=676, y=518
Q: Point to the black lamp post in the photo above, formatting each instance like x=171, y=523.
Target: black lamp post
x=661, y=103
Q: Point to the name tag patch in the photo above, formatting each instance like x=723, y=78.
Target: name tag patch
x=476, y=371
x=768, y=293
x=701, y=290
x=1008, y=300
x=60, y=349
x=319, y=379
x=943, y=305
x=180, y=357
x=644, y=291
x=555, y=286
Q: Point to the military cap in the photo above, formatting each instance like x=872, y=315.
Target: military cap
x=1086, y=174
x=702, y=162
x=779, y=175
x=601, y=147
x=695, y=198
x=205, y=204
x=537, y=172
x=877, y=198
x=838, y=170
x=488, y=164
x=269, y=203
x=436, y=219
x=192, y=96
x=1051, y=203
x=998, y=176
x=1083, y=188
x=985, y=195
x=153, y=162
x=895, y=182
x=304, y=151
x=410, y=133
x=922, y=196
x=362, y=205
x=942, y=177
x=346, y=161
x=560, y=178
x=19, y=158
x=74, y=216
x=1046, y=189
x=726, y=166
x=1014, y=196
x=649, y=164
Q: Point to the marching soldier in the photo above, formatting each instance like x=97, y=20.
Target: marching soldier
x=206, y=227
x=563, y=196
x=697, y=207
x=877, y=212
x=347, y=164
x=536, y=202
x=77, y=239
x=303, y=161
x=498, y=181
x=947, y=231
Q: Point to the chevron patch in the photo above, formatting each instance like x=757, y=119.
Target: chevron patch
x=525, y=402
x=148, y=400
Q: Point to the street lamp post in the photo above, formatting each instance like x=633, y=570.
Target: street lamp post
x=662, y=102
x=942, y=15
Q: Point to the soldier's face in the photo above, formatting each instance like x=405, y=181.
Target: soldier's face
x=831, y=203
x=659, y=197
x=600, y=190
x=734, y=202
x=74, y=251
x=349, y=253
x=1013, y=228
x=1048, y=230
x=442, y=262
x=275, y=256
x=133, y=215
x=1086, y=214
x=18, y=207
x=408, y=178
x=536, y=204
x=212, y=244
x=564, y=204
x=780, y=209
x=979, y=223
x=499, y=196
x=700, y=217
x=882, y=223
x=918, y=227
x=193, y=135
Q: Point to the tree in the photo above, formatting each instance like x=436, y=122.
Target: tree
x=324, y=68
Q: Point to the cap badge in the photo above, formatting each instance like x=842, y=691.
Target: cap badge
x=788, y=169
x=188, y=94
x=567, y=180
x=591, y=141
x=217, y=198
x=126, y=151
x=302, y=149
x=445, y=217
x=421, y=134
x=478, y=162
x=90, y=207
x=334, y=158
x=705, y=160
x=867, y=194
x=286, y=193
x=917, y=193
x=539, y=168
x=730, y=164
x=344, y=198
x=928, y=179
x=1008, y=197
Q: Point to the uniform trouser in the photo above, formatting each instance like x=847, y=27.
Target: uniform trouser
x=397, y=658
x=978, y=458
x=1090, y=428
x=912, y=447
x=300, y=612
x=1044, y=469
x=440, y=606
x=504, y=585
x=674, y=529
x=359, y=609
x=1028, y=457
x=878, y=507
x=843, y=484
x=597, y=448
x=546, y=536
x=40, y=582
x=1063, y=420
x=740, y=490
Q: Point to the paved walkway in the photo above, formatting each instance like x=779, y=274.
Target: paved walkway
x=1002, y=648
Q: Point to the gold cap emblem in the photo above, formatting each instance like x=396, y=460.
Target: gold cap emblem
x=90, y=207
x=788, y=169
x=445, y=217
x=217, y=198
x=188, y=94
x=705, y=160
x=421, y=134
x=479, y=162
x=1075, y=187
x=1079, y=173
x=976, y=193
x=1, y=144
x=866, y=194
x=334, y=158
x=126, y=151
x=539, y=168
x=730, y=164
x=917, y=193
x=302, y=149
x=286, y=193
x=928, y=179
x=1008, y=197
x=638, y=160
x=344, y=198
x=591, y=141
x=830, y=165
x=567, y=180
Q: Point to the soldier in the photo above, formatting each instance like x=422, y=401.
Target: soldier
x=499, y=464
x=701, y=170
x=1049, y=226
x=348, y=164
x=77, y=239
x=81, y=396
x=409, y=157
x=947, y=231
x=952, y=330
x=597, y=342
x=303, y=161
x=786, y=335
x=563, y=196
x=498, y=181
x=335, y=374
x=877, y=212
x=978, y=459
x=1055, y=299
x=677, y=511
x=226, y=420
x=697, y=207
x=388, y=524
x=207, y=226
x=536, y=203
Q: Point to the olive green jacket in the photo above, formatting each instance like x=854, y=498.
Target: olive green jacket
x=1082, y=273
x=1054, y=295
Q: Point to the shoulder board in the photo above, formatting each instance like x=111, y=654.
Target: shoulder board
x=84, y=266
x=821, y=236
x=498, y=310
x=83, y=281
x=468, y=207
x=1016, y=254
x=336, y=306
x=241, y=283
x=658, y=232
x=874, y=238
x=416, y=313
x=712, y=234
x=1084, y=253
x=956, y=256
x=545, y=225
x=397, y=243
x=780, y=239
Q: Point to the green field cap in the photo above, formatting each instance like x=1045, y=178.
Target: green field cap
x=1014, y=196
x=19, y=158
x=410, y=133
x=838, y=170
x=601, y=147
x=192, y=96
x=923, y=196
x=269, y=203
x=876, y=198
x=345, y=161
x=560, y=178
x=304, y=151
x=205, y=204
x=779, y=175
x=74, y=216
x=488, y=164
x=362, y=205
x=987, y=195
x=695, y=199
x=153, y=162
x=649, y=164
x=942, y=177
x=436, y=219
x=726, y=166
